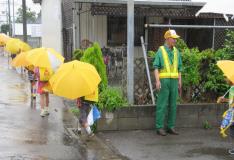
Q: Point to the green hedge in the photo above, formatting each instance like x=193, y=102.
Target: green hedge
x=202, y=80
x=93, y=55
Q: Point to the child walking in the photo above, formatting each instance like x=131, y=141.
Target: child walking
x=84, y=107
x=32, y=79
x=228, y=117
x=43, y=75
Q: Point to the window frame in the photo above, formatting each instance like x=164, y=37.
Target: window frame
x=123, y=30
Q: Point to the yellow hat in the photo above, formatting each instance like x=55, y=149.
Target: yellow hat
x=171, y=34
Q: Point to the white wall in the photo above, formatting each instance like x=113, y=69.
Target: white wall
x=51, y=17
x=93, y=28
x=33, y=30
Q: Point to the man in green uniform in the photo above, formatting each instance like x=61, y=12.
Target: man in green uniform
x=168, y=66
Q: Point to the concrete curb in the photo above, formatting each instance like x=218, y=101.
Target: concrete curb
x=104, y=151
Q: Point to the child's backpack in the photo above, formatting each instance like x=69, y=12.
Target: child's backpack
x=45, y=74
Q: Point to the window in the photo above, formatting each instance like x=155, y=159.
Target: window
x=117, y=30
x=201, y=38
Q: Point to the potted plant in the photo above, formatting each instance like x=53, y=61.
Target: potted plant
x=110, y=99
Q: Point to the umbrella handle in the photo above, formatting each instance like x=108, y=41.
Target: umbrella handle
x=226, y=92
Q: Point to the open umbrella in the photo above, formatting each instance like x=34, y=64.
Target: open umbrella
x=3, y=39
x=45, y=58
x=227, y=67
x=15, y=46
x=20, y=60
x=220, y=7
x=92, y=97
x=75, y=79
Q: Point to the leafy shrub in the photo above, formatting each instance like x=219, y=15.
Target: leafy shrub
x=77, y=54
x=110, y=99
x=181, y=45
x=190, y=75
x=191, y=61
x=151, y=54
x=201, y=77
x=207, y=125
x=93, y=55
x=214, y=81
x=229, y=43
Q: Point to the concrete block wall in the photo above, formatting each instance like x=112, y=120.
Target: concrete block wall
x=143, y=117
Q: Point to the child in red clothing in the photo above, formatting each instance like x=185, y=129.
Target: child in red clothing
x=44, y=95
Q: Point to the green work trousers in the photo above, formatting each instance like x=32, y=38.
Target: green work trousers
x=166, y=102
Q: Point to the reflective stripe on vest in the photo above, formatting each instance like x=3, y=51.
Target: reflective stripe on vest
x=169, y=70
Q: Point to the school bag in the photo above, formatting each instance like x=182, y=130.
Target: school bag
x=45, y=74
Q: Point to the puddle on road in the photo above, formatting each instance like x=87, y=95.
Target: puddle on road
x=15, y=156
x=17, y=86
x=222, y=153
x=36, y=141
x=19, y=98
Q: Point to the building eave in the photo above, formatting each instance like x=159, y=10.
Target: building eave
x=147, y=2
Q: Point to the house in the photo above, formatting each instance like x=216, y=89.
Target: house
x=79, y=22
x=106, y=22
x=33, y=33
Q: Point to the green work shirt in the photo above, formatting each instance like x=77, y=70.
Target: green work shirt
x=159, y=62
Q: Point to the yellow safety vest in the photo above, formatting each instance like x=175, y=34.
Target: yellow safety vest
x=169, y=70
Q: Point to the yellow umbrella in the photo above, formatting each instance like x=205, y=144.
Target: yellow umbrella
x=227, y=67
x=75, y=79
x=15, y=46
x=45, y=58
x=24, y=47
x=92, y=97
x=3, y=39
x=20, y=60
x=12, y=45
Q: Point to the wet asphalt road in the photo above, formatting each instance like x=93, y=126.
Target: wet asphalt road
x=24, y=135
x=191, y=144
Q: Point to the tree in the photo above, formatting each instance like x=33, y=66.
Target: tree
x=5, y=28
x=93, y=55
x=30, y=15
x=229, y=43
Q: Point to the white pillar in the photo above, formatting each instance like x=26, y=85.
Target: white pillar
x=130, y=52
x=51, y=16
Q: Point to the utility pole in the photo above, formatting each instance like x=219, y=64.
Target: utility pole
x=13, y=26
x=24, y=20
x=130, y=52
x=9, y=17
